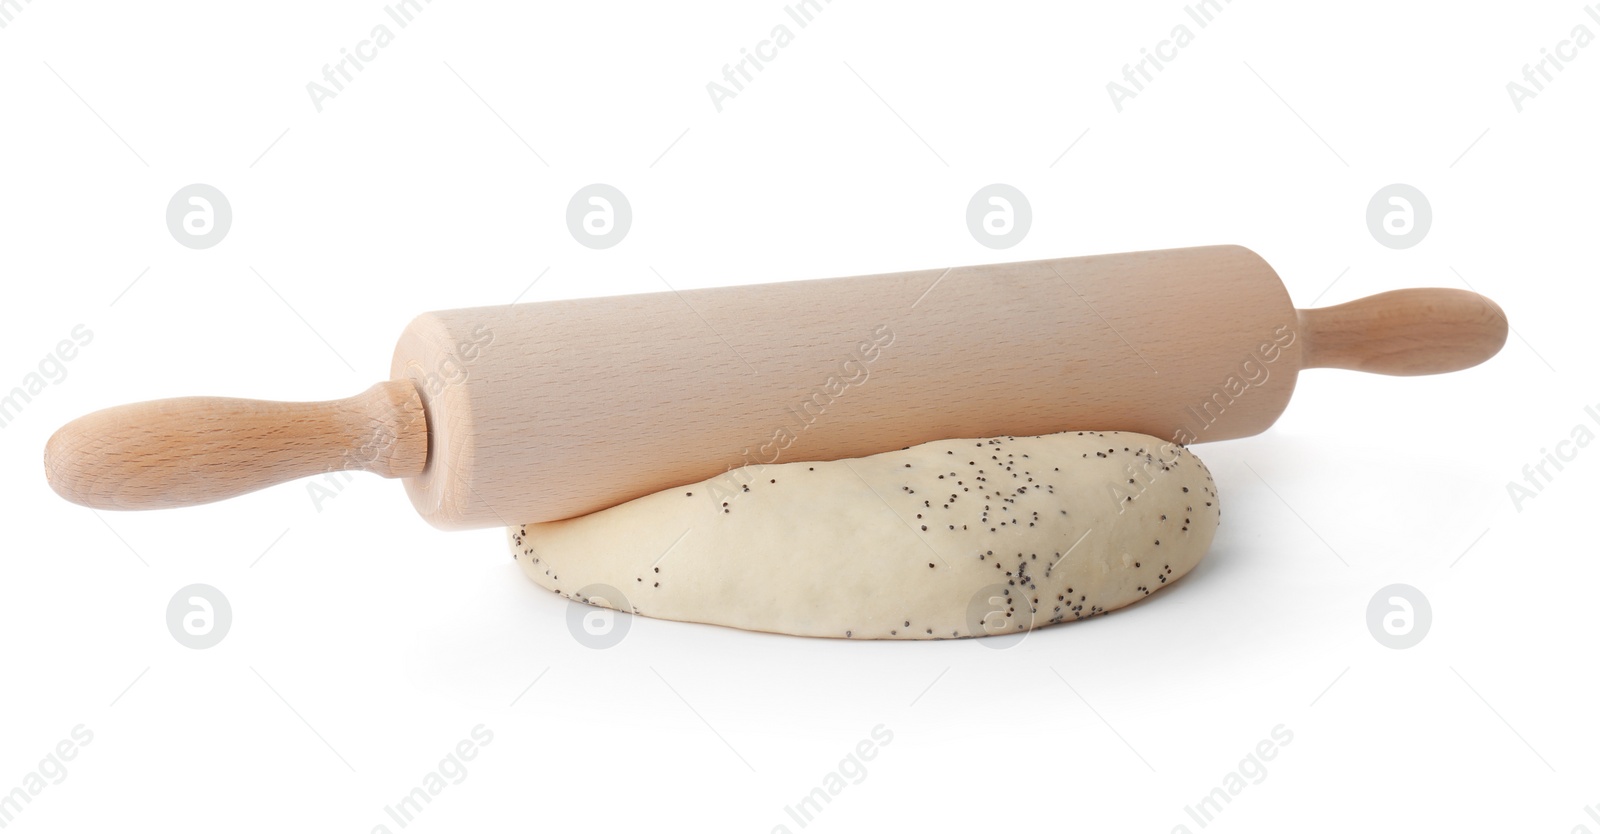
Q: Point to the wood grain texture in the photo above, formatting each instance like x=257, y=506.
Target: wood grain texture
x=194, y=450
x=556, y=409
x=1405, y=332
x=536, y=412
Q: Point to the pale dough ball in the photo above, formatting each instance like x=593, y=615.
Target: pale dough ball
x=953, y=538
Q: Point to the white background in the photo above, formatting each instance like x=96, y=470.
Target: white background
x=365, y=644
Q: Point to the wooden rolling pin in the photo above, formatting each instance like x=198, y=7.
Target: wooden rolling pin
x=535, y=412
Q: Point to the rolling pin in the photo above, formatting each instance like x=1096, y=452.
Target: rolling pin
x=542, y=411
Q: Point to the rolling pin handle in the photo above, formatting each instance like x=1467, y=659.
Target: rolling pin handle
x=1404, y=332
x=195, y=450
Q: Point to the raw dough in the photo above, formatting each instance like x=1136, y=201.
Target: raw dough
x=953, y=538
